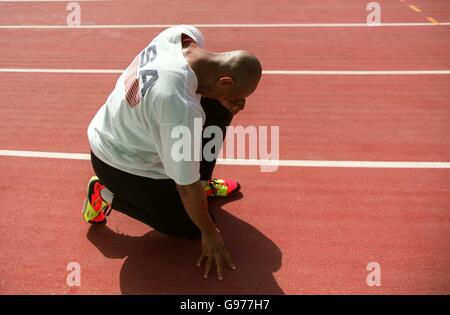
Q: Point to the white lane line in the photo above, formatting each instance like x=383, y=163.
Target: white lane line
x=249, y=162
x=49, y=155
x=73, y=71
x=339, y=164
x=280, y=25
x=31, y=1
x=356, y=72
x=266, y=72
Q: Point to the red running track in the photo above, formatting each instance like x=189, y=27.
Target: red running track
x=294, y=231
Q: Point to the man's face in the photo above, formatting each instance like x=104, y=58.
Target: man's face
x=230, y=96
x=233, y=98
x=233, y=105
x=234, y=102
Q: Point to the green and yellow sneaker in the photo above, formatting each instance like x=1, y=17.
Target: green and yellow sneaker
x=221, y=187
x=95, y=209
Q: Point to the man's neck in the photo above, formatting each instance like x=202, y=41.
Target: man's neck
x=204, y=65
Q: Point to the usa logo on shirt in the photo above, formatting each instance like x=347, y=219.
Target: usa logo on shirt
x=133, y=90
x=132, y=84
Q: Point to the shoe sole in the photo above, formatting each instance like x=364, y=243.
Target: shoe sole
x=87, y=204
x=238, y=188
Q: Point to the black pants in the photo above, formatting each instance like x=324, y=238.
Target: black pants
x=156, y=202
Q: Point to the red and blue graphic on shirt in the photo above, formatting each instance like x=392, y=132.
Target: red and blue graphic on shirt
x=146, y=78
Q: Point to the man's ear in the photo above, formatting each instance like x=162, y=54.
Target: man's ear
x=225, y=82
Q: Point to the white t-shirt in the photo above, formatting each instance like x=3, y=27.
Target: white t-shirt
x=157, y=92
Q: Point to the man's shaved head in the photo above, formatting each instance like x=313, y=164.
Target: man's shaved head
x=244, y=68
x=229, y=76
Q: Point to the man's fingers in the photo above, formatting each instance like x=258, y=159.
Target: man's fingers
x=219, y=266
x=208, y=267
x=228, y=259
x=200, y=259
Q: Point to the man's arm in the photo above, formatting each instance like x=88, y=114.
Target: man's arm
x=196, y=205
x=213, y=249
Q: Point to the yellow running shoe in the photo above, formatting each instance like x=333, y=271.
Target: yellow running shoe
x=221, y=187
x=95, y=209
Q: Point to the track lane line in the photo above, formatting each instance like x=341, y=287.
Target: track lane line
x=275, y=25
x=433, y=20
x=33, y=1
x=254, y=162
x=415, y=8
x=266, y=72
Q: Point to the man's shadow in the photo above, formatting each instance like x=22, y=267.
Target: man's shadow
x=158, y=264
